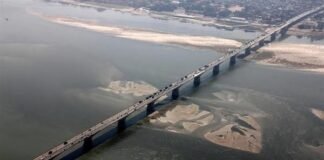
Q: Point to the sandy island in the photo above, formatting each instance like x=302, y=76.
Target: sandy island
x=128, y=87
x=242, y=133
x=309, y=57
x=182, y=118
x=208, y=42
x=318, y=113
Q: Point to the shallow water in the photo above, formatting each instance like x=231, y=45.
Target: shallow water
x=281, y=107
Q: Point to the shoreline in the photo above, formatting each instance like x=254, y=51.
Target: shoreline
x=202, y=42
x=184, y=18
x=303, y=57
x=193, y=19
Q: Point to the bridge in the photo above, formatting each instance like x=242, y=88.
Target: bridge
x=85, y=139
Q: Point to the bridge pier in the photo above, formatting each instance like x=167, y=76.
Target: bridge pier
x=197, y=81
x=232, y=60
x=283, y=31
x=216, y=70
x=121, y=126
x=87, y=144
x=291, y=24
x=150, y=108
x=175, y=93
x=261, y=43
x=273, y=37
x=247, y=51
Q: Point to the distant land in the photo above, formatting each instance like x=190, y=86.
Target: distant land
x=289, y=55
x=250, y=15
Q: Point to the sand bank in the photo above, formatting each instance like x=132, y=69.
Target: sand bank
x=244, y=135
x=235, y=8
x=309, y=57
x=146, y=35
x=318, y=113
x=241, y=132
x=149, y=36
x=183, y=118
x=128, y=87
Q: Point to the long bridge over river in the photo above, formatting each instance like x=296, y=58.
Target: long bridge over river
x=85, y=140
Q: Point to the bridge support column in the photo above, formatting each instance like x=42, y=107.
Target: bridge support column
x=150, y=108
x=232, y=61
x=121, y=126
x=261, y=43
x=197, y=81
x=87, y=144
x=283, y=31
x=247, y=51
x=273, y=37
x=175, y=93
x=216, y=70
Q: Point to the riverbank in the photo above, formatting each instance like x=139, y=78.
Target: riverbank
x=224, y=23
x=206, y=42
x=305, y=57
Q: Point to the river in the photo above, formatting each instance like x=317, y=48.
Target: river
x=50, y=75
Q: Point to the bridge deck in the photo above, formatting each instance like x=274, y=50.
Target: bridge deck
x=152, y=98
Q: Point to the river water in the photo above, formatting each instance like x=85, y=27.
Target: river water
x=49, y=75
